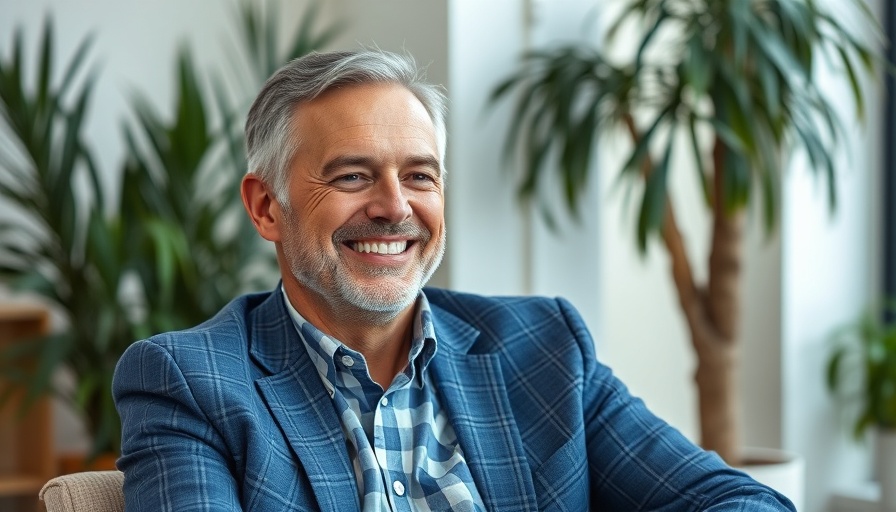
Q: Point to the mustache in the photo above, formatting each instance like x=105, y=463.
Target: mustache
x=359, y=230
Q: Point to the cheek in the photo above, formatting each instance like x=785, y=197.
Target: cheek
x=323, y=209
x=316, y=199
x=431, y=210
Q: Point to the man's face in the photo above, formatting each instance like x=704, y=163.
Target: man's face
x=363, y=223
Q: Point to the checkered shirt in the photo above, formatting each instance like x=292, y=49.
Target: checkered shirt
x=403, y=448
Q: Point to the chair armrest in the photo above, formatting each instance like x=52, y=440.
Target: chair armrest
x=94, y=491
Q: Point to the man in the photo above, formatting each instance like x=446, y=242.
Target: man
x=349, y=387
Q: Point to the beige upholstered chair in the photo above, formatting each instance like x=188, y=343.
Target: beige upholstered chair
x=91, y=491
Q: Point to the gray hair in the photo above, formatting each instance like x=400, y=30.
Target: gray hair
x=270, y=141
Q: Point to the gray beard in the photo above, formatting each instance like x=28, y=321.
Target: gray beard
x=348, y=300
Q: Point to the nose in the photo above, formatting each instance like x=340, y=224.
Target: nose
x=388, y=203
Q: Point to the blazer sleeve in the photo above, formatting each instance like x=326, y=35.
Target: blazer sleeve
x=173, y=459
x=639, y=462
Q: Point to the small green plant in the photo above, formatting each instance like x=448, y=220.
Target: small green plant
x=861, y=371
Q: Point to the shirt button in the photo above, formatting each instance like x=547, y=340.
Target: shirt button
x=398, y=487
x=348, y=361
x=384, y=401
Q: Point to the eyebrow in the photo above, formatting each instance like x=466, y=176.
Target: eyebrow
x=425, y=161
x=339, y=162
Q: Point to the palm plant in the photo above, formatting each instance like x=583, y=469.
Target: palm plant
x=862, y=371
x=173, y=249
x=181, y=179
x=62, y=244
x=734, y=78
x=196, y=246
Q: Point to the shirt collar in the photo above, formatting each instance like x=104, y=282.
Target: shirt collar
x=324, y=349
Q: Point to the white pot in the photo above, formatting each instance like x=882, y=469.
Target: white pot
x=886, y=469
x=783, y=471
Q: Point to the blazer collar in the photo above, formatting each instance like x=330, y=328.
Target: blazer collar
x=273, y=341
x=454, y=334
x=301, y=406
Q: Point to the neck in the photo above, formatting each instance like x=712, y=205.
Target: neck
x=383, y=339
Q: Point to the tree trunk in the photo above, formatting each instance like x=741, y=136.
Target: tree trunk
x=713, y=317
x=718, y=397
x=712, y=312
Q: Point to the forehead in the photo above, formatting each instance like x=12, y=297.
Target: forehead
x=365, y=113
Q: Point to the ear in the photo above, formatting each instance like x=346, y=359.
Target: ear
x=262, y=207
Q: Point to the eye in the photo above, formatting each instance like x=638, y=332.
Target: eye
x=422, y=179
x=350, y=181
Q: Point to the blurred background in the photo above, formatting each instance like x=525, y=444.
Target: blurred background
x=813, y=275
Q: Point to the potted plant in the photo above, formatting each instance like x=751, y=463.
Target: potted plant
x=733, y=79
x=61, y=244
x=168, y=253
x=861, y=373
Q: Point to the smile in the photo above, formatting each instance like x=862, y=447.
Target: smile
x=380, y=247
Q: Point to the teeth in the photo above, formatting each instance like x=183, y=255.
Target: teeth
x=381, y=247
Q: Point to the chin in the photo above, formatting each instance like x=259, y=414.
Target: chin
x=380, y=298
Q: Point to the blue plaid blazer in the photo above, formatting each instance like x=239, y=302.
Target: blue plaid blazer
x=231, y=415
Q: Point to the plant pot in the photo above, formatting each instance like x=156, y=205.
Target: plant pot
x=783, y=471
x=886, y=468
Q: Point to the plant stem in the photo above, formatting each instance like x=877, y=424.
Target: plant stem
x=711, y=313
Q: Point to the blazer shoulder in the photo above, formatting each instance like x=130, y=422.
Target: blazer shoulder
x=477, y=308
x=503, y=320
x=225, y=332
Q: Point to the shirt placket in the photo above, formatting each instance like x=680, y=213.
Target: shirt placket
x=388, y=450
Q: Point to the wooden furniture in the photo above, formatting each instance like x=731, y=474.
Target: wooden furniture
x=27, y=458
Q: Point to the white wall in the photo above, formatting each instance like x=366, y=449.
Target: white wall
x=830, y=273
x=486, y=233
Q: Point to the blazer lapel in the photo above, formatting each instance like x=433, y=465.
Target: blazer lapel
x=475, y=397
x=301, y=406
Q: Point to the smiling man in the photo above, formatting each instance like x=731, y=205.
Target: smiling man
x=350, y=387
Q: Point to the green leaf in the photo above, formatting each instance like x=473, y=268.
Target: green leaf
x=769, y=79
x=699, y=168
x=59, y=180
x=654, y=200
x=642, y=146
x=234, y=139
x=730, y=138
x=698, y=69
x=45, y=65
x=767, y=168
x=74, y=65
x=853, y=82
x=88, y=385
x=832, y=372
x=819, y=158
x=660, y=16
x=102, y=249
x=93, y=175
x=55, y=349
x=739, y=10
x=776, y=51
